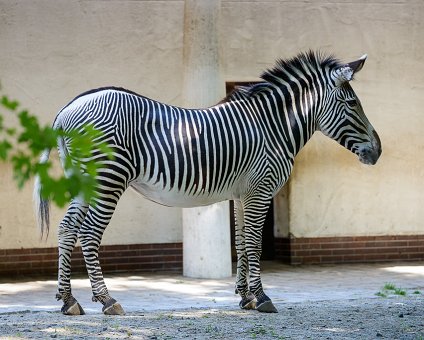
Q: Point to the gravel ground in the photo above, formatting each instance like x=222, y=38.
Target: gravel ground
x=393, y=317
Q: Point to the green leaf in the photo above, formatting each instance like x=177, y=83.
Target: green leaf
x=11, y=131
x=31, y=139
x=12, y=105
x=5, y=147
x=22, y=168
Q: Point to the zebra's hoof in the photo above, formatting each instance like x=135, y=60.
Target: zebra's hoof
x=72, y=308
x=248, y=302
x=112, y=307
x=266, y=307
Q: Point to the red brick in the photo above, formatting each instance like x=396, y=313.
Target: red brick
x=17, y=251
x=411, y=237
x=301, y=253
x=333, y=245
x=22, y=258
x=396, y=243
x=367, y=251
x=331, y=259
x=115, y=254
x=43, y=251
x=417, y=243
x=50, y=257
x=352, y=249
x=320, y=252
x=416, y=256
x=140, y=257
x=311, y=260
x=363, y=238
x=411, y=249
x=114, y=247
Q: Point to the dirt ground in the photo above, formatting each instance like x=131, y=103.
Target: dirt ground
x=393, y=317
x=363, y=301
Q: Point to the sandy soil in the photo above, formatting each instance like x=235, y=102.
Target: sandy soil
x=396, y=317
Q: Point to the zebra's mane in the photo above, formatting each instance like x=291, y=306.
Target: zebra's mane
x=284, y=71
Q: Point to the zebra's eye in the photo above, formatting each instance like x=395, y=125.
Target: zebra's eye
x=351, y=102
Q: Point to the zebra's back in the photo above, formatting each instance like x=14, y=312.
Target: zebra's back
x=173, y=156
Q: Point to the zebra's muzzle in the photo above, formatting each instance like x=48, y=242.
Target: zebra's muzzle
x=370, y=153
x=368, y=156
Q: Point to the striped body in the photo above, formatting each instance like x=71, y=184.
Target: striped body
x=180, y=157
x=242, y=149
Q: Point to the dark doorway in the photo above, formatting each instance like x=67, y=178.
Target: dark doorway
x=268, y=240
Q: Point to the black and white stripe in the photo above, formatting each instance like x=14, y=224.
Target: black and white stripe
x=242, y=149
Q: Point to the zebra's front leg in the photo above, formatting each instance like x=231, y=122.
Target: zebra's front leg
x=248, y=300
x=68, y=234
x=91, y=233
x=254, y=214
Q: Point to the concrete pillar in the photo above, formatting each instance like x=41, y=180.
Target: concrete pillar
x=206, y=230
x=207, y=242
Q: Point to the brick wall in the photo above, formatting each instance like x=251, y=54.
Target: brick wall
x=350, y=249
x=169, y=257
x=117, y=258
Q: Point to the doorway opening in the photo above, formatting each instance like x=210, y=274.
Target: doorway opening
x=268, y=238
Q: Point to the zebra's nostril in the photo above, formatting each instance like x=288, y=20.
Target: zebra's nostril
x=369, y=155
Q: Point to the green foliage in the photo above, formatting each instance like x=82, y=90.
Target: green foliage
x=390, y=288
x=400, y=291
x=23, y=146
x=381, y=294
x=394, y=289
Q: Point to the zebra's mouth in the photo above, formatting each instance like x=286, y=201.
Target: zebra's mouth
x=369, y=156
x=369, y=153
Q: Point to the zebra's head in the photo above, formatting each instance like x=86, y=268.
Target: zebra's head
x=343, y=118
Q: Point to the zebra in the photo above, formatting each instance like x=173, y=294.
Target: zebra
x=241, y=149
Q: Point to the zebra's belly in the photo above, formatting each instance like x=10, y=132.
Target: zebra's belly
x=176, y=198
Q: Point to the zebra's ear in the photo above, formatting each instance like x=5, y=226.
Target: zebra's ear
x=357, y=65
x=345, y=73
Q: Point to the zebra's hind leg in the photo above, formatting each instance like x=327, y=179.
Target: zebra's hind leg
x=68, y=234
x=96, y=221
x=255, y=210
x=248, y=300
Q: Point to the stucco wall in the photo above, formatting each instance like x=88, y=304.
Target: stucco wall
x=53, y=50
x=331, y=193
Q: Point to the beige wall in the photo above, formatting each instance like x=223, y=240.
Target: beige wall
x=331, y=193
x=50, y=51
x=53, y=50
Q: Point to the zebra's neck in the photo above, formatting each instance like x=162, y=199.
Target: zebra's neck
x=289, y=117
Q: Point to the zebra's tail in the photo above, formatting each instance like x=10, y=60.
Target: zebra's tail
x=42, y=205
